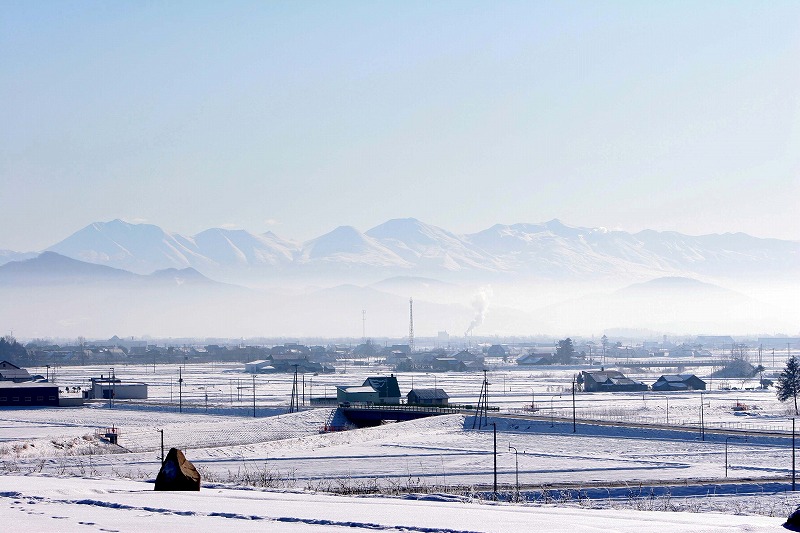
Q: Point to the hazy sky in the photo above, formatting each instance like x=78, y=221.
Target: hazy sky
x=302, y=116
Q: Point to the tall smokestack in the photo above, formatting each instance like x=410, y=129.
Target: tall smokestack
x=411, y=325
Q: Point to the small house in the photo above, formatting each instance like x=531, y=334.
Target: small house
x=536, y=359
x=448, y=364
x=610, y=381
x=427, y=397
x=679, y=382
x=387, y=387
x=497, y=350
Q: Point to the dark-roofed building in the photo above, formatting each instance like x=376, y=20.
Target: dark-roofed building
x=679, y=382
x=387, y=387
x=11, y=372
x=427, y=397
x=610, y=381
x=497, y=350
x=536, y=359
x=715, y=341
x=28, y=394
x=448, y=364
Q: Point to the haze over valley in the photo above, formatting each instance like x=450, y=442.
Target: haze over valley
x=519, y=279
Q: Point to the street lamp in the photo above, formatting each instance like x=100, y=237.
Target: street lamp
x=516, y=465
x=729, y=437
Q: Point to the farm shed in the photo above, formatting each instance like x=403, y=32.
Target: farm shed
x=610, y=381
x=28, y=394
x=364, y=394
x=679, y=382
x=427, y=397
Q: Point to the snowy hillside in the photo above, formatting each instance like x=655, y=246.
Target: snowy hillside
x=345, y=246
x=429, y=247
x=140, y=248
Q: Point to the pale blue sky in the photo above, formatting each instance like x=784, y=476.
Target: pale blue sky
x=302, y=116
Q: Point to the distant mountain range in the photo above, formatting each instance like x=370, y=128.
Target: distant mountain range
x=50, y=268
x=408, y=247
x=116, y=277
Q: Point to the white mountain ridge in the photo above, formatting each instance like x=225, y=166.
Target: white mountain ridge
x=409, y=247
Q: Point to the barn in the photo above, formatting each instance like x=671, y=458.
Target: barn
x=427, y=397
x=387, y=387
x=28, y=394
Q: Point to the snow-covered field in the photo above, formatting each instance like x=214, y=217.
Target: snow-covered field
x=291, y=464
x=116, y=505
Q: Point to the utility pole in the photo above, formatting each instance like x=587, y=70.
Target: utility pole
x=294, y=400
x=254, y=395
x=162, y=445
x=702, y=423
x=180, y=390
x=574, y=426
x=793, y=460
x=494, y=426
x=482, y=410
x=729, y=437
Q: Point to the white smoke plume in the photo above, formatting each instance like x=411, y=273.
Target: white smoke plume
x=480, y=302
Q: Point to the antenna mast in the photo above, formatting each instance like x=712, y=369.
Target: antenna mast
x=411, y=325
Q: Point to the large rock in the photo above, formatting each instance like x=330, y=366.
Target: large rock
x=177, y=473
x=793, y=522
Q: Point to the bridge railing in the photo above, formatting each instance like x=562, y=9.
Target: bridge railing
x=443, y=409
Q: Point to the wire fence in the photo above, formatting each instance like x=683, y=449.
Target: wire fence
x=635, y=417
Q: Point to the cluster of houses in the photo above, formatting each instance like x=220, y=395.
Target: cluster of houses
x=615, y=381
x=385, y=390
x=438, y=360
x=292, y=357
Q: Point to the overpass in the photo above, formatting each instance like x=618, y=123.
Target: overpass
x=366, y=415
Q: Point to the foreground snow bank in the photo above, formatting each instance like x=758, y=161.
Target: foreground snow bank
x=65, y=504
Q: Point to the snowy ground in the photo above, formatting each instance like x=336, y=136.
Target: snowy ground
x=598, y=466
x=115, y=505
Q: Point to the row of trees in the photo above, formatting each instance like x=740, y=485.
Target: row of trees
x=11, y=350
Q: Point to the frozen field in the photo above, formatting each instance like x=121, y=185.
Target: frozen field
x=597, y=466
